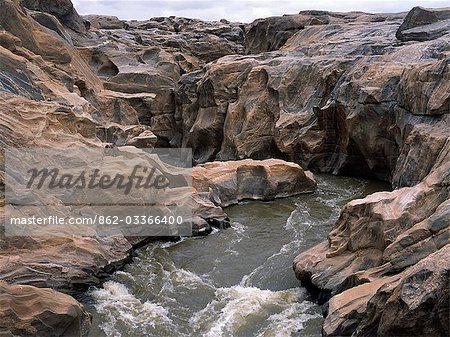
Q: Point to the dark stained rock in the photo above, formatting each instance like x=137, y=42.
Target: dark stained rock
x=52, y=23
x=104, y=22
x=427, y=32
x=423, y=24
x=62, y=9
x=272, y=33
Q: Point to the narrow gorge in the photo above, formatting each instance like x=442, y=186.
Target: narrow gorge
x=322, y=139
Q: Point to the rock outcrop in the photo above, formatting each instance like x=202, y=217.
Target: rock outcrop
x=231, y=182
x=336, y=98
x=61, y=9
x=385, y=258
x=423, y=24
x=32, y=312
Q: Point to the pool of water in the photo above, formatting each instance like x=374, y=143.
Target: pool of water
x=236, y=282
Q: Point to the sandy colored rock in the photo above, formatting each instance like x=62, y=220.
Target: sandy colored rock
x=62, y=9
x=104, y=22
x=28, y=311
x=337, y=98
x=382, y=248
x=231, y=182
x=413, y=303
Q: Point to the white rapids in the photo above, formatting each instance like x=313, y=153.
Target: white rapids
x=234, y=283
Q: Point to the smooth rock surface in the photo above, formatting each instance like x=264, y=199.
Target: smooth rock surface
x=62, y=9
x=31, y=312
x=379, y=256
x=234, y=181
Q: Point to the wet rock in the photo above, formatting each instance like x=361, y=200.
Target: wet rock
x=200, y=227
x=29, y=311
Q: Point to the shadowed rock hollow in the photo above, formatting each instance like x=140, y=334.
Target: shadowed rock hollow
x=343, y=93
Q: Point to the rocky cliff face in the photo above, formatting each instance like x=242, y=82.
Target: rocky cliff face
x=343, y=93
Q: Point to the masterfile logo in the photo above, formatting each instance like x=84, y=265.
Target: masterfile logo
x=98, y=191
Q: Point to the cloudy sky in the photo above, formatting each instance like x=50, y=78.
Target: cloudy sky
x=239, y=10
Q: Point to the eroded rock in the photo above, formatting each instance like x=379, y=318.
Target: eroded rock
x=379, y=256
x=422, y=24
x=230, y=182
x=62, y=9
x=29, y=311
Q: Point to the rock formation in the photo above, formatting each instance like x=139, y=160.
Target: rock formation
x=343, y=93
x=32, y=312
x=231, y=182
x=384, y=267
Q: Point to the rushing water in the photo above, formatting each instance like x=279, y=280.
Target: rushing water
x=235, y=282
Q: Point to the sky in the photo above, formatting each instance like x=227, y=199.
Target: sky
x=239, y=10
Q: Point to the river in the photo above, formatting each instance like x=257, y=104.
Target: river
x=236, y=282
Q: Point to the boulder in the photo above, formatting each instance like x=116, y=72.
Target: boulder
x=426, y=32
x=28, y=311
x=139, y=136
x=231, y=182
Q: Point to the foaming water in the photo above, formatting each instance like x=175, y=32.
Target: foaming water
x=123, y=312
x=237, y=311
x=236, y=282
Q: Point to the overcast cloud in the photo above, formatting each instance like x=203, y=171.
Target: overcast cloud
x=234, y=10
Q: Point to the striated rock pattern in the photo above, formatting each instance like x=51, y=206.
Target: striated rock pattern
x=31, y=312
x=337, y=98
x=344, y=93
x=230, y=182
x=384, y=267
